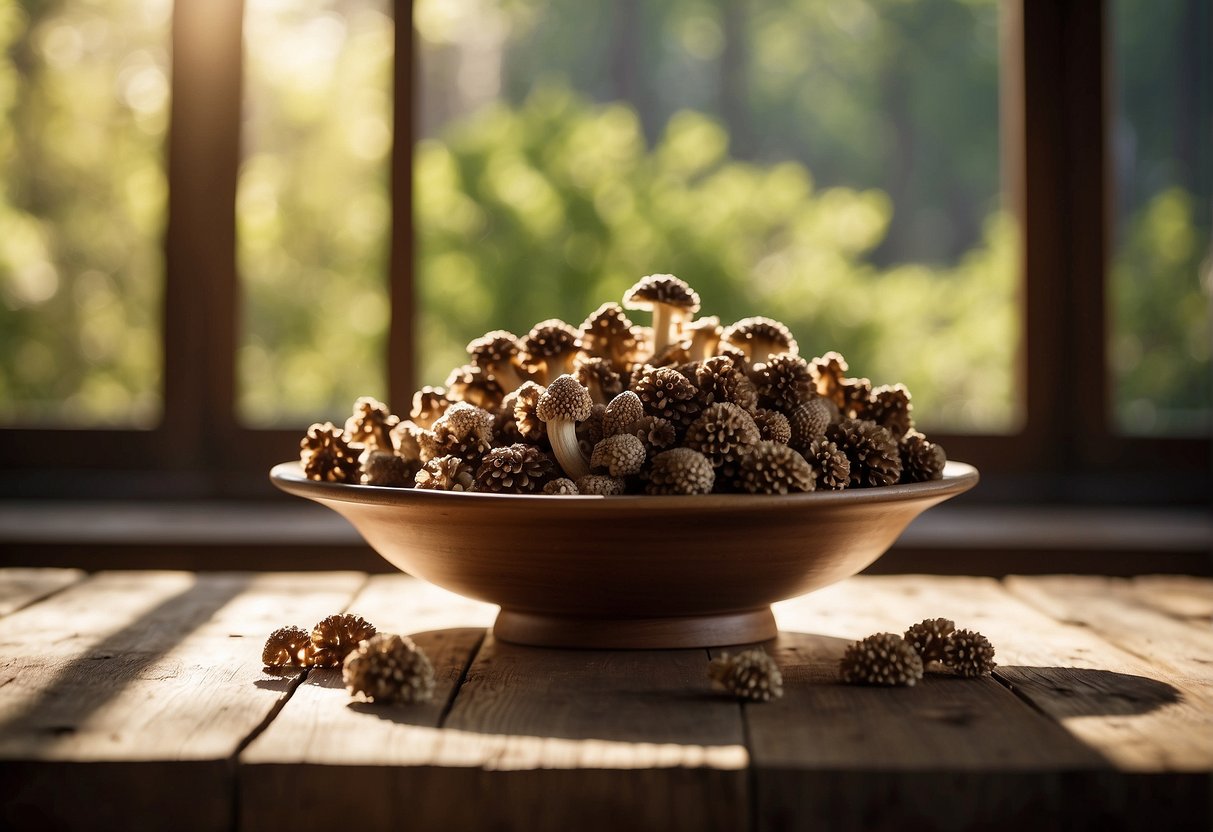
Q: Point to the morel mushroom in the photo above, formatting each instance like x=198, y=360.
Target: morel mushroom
x=597, y=376
x=872, y=451
x=720, y=380
x=621, y=413
x=622, y=455
x=772, y=468
x=549, y=349
x=760, y=338
x=473, y=385
x=562, y=486
x=680, y=471
x=702, y=337
x=446, y=473
x=517, y=469
x=667, y=394
x=337, y=636
x=387, y=468
x=371, y=424
x=429, y=403
x=723, y=433
x=921, y=459
x=327, y=456
x=671, y=301
x=561, y=407
x=464, y=431
x=784, y=382
x=891, y=407
x=496, y=353
x=808, y=422
x=601, y=485
x=773, y=426
x=608, y=334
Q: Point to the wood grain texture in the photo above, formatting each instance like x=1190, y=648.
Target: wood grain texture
x=21, y=587
x=542, y=739
x=1181, y=596
x=123, y=697
x=945, y=754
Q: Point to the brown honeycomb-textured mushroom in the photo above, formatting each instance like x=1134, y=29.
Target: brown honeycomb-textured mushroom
x=667, y=394
x=680, y=471
x=740, y=360
x=703, y=335
x=446, y=473
x=808, y=422
x=601, y=485
x=405, y=440
x=589, y=432
x=751, y=675
x=621, y=455
x=882, y=659
x=890, y=407
x=657, y=434
x=371, y=424
x=622, y=412
x=473, y=385
x=327, y=456
x=723, y=433
x=505, y=422
x=549, y=350
x=921, y=459
x=969, y=654
x=772, y=468
x=561, y=487
x=531, y=427
x=671, y=301
x=719, y=380
x=773, y=426
x=608, y=333
x=784, y=382
x=429, y=403
x=854, y=398
x=337, y=636
x=389, y=669
x=872, y=451
x=831, y=464
x=464, y=431
x=563, y=404
x=929, y=638
x=828, y=372
x=496, y=353
x=288, y=647
x=760, y=339
x=387, y=468
x=516, y=469
x=597, y=376
x=675, y=354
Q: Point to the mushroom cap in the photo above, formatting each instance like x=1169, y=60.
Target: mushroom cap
x=445, y=473
x=601, y=484
x=514, y=469
x=881, y=659
x=668, y=394
x=609, y=334
x=474, y=385
x=828, y=372
x=872, y=450
x=371, y=423
x=564, y=399
x=784, y=382
x=621, y=412
x=492, y=348
x=562, y=486
x=428, y=404
x=723, y=433
x=388, y=469
x=808, y=422
x=549, y=338
x=708, y=325
x=593, y=371
x=831, y=464
x=664, y=289
x=720, y=380
x=747, y=332
x=680, y=471
x=656, y=433
x=921, y=459
x=621, y=455
x=772, y=468
x=773, y=425
x=530, y=426
x=890, y=406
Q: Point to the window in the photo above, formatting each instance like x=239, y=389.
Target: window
x=1051, y=435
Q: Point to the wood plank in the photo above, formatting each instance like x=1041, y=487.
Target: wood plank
x=1117, y=611
x=1181, y=596
x=1153, y=729
x=122, y=694
x=870, y=758
x=536, y=739
x=21, y=587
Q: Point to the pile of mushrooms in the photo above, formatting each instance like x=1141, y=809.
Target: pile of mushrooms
x=684, y=406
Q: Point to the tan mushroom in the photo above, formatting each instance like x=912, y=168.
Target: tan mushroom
x=515, y=469
x=680, y=471
x=621, y=413
x=599, y=377
x=703, y=335
x=549, y=349
x=446, y=473
x=760, y=338
x=672, y=303
x=621, y=455
x=563, y=404
x=496, y=353
x=429, y=403
x=371, y=424
x=608, y=333
x=601, y=485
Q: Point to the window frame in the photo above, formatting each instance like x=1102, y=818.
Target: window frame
x=1055, y=105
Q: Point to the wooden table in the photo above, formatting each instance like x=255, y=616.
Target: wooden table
x=137, y=699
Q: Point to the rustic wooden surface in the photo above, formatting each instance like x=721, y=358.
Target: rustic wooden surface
x=137, y=700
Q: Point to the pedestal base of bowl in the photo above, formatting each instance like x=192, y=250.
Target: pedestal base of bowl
x=539, y=630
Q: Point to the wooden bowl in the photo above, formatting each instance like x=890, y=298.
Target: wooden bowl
x=632, y=571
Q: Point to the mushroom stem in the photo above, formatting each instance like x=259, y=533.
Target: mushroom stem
x=562, y=433
x=663, y=328
x=508, y=377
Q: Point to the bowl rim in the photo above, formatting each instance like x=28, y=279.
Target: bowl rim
x=958, y=477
